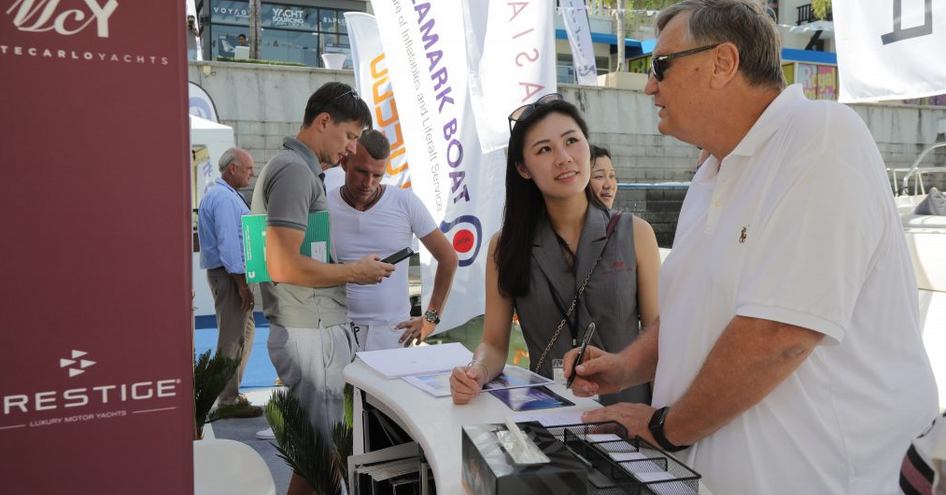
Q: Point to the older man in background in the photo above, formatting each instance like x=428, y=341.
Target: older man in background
x=221, y=254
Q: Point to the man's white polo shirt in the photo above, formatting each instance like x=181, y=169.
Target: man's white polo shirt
x=798, y=225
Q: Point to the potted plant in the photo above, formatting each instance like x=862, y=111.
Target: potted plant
x=305, y=448
x=211, y=375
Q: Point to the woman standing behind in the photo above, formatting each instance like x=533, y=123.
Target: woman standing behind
x=604, y=180
x=562, y=259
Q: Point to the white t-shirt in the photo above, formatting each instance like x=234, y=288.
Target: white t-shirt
x=386, y=228
x=799, y=226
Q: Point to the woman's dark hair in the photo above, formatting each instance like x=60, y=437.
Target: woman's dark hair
x=598, y=152
x=340, y=101
x=525, y=206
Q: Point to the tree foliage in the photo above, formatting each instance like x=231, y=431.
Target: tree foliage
x=821, y=8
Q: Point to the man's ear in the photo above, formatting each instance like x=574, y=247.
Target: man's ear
x=523, y=171
x=322, y=120
x=725, y=64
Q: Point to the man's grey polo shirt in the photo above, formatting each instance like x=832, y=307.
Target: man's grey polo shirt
x=287, y=190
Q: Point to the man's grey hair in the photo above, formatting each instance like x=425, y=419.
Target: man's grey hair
x=375, y=143
x=742, y=22
x=228, y=157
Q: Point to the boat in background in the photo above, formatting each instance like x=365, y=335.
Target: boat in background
x=926, y=239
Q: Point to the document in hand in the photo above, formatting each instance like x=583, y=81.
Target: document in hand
x=419, y=360
x=316, y=244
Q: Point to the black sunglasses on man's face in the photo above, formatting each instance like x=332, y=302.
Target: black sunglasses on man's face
x=660, y=63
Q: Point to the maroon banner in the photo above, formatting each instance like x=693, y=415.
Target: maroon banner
x=95, y=356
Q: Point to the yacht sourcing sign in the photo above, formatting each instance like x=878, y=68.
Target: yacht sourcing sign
x=425, y=49
x=96, y=396
x=890, y=49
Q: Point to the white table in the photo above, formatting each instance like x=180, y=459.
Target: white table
x=435, y=423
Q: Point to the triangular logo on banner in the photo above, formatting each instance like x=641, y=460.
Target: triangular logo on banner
x=86, y=363
x=63, y=362
x=76, y=353
x=73, y=372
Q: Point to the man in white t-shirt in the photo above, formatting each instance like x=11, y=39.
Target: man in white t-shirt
x=790, y=359
x=369, y=218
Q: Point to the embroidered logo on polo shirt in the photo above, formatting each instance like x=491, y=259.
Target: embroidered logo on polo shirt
x=744, y=234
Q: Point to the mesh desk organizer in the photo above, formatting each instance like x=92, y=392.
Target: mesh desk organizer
x=613, y=463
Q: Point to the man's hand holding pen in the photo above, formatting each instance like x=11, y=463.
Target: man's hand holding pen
x=599, y=372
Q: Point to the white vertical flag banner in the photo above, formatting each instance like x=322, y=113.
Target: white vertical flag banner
x=373, y=83
x=575, y=15
x=511, y=47
x=890, y=49
x=425, y=50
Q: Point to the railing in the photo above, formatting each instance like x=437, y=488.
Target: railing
x=806, y=13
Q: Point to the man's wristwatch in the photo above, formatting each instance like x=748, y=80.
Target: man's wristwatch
x=432, y=316
x=656, y=427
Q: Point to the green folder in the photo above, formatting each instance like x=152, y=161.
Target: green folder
x=316, y=244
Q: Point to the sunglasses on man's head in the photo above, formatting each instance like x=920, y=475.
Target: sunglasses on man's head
x=524, y=111
x=660, y=63
x=351, y=92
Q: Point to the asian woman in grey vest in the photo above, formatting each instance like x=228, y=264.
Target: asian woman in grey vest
x=557, y=237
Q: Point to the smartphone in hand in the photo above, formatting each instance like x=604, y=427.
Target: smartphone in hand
x=398, y=256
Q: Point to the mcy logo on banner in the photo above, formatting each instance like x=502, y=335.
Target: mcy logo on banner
x=76, y=367
x=45, y=15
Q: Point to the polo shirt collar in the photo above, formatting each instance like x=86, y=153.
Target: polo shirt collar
x=770, y=120
x=293, y=144
x=224, y=183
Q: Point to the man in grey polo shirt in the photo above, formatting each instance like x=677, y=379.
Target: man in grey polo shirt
x=310, y=341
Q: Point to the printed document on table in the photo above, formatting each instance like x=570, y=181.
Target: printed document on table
x=423, y=359
x=438, y=384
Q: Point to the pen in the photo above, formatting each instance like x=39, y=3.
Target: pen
x=589, y=332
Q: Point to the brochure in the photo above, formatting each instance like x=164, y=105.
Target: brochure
x=438, y=384
x=531, y=398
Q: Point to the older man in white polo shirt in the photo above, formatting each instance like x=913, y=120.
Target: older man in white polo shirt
x=790, y=359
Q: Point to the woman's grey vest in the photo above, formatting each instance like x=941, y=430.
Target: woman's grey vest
x=610, y=298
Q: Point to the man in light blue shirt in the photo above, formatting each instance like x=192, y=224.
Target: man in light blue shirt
x=221, y=254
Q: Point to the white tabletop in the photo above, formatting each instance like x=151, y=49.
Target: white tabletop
x=435, y=423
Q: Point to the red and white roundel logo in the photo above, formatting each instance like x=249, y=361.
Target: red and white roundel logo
x=466, y=236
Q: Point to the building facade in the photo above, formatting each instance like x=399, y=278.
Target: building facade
x=297, y=33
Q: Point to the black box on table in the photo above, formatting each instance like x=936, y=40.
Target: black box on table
x=489, y=470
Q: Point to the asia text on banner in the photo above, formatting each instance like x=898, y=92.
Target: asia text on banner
x=425, y=51
x=890, y=49
x=511, y=58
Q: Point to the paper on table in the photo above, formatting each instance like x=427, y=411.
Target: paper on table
x=602, y=437
x=516, y=377
x=627, y=456
x=438, y=384
x=395, y=363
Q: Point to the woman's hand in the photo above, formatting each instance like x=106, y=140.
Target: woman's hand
x=466, y=382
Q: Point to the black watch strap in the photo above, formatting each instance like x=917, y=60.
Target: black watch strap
x=656, y=427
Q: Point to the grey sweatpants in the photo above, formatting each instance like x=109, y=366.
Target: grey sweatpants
x=310, y=362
